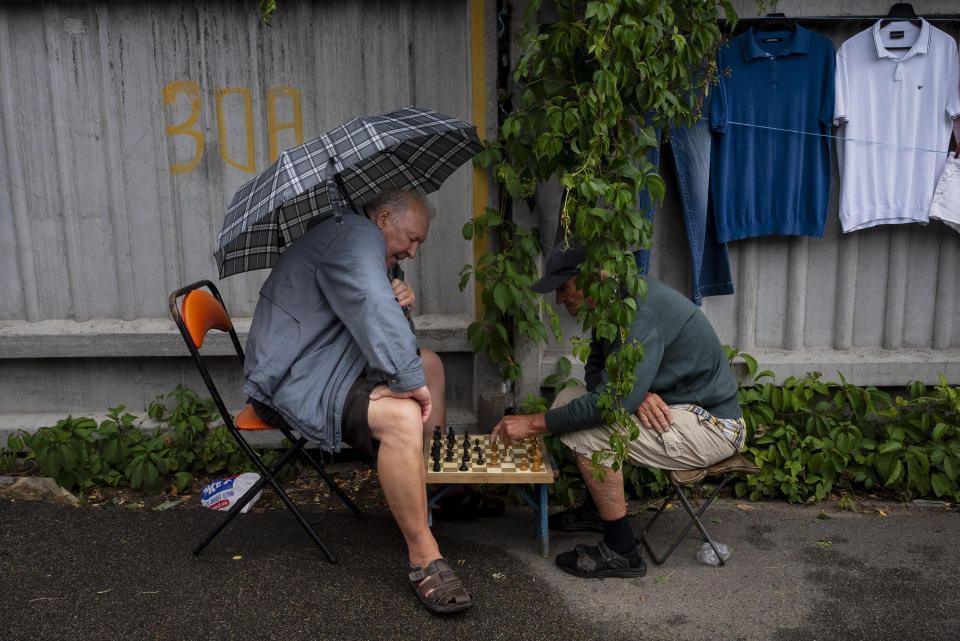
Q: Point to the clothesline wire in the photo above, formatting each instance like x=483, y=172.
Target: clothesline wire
x=849, y=18
x=819, y=135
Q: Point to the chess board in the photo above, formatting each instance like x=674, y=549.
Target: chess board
x=506, y=471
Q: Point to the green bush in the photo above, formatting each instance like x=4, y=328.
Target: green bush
x=80, y=454
x=810, y=438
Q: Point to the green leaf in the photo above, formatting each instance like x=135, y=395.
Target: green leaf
x=896, y=473
x=890, y=446
x=941, y=484
x=950, y=468
x=939, y=430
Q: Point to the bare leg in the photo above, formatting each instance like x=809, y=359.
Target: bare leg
x=436, y=383
x=396, y=423
x=608, y=495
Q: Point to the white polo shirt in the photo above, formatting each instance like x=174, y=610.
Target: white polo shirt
x=905, y=99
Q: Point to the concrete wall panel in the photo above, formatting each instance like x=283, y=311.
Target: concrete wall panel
x=128, y=126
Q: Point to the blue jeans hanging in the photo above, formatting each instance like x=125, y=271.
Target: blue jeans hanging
x=691, y=158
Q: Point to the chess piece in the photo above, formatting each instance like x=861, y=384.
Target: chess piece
x=494, y=459
x=463, y=465
x=523, y=464
x=436, y=465
x=537, y=462
x=476, y=445
x=449, y=457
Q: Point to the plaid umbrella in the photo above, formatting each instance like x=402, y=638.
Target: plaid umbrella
x=405, y=149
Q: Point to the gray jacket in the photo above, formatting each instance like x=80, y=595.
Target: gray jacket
x=326, y=316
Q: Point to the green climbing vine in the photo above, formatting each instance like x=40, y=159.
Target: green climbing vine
x=593, y=87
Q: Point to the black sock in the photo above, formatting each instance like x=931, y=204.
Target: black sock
x=618, y=535
x=589, y=504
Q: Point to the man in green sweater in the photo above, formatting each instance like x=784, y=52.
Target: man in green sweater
x=685, y=397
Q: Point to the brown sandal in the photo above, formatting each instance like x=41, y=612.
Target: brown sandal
x=439, y=588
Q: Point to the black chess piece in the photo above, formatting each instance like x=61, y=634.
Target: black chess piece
x=436, y=465
x=436, y=432
x=476, y=445
x=449, y=457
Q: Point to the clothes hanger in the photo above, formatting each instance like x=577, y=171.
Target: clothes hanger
x=776, y=22
x=902, y=11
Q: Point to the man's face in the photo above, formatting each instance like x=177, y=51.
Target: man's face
x=403, y=233
x=570, y=297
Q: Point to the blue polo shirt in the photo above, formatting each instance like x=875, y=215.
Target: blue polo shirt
x=764, y=180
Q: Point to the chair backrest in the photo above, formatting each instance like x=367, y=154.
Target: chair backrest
x=201, y=312
x=197, y=309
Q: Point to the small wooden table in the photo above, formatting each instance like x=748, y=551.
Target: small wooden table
x=507, y=471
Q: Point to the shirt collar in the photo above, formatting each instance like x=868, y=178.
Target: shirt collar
x=922, y=45
x=799, y=44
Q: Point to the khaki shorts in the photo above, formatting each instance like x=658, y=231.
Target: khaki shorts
x=690, y=443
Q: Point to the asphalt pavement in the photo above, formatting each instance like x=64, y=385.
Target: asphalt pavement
x=890, y=571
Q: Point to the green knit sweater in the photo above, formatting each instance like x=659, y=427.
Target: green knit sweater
x=683, y=362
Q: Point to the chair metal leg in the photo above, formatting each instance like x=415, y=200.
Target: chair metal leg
x=267, y=476
x=694, y=521
x=232, y=512
x=357, y=512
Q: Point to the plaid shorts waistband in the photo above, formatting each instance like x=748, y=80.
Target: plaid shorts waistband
x=733, y=429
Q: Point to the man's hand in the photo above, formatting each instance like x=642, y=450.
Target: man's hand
x=420, y=395
x=654, y=414
x=512, y=429
x=404, y=294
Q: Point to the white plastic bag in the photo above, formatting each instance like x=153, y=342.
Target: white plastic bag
x=222, y=494
x=707, y=556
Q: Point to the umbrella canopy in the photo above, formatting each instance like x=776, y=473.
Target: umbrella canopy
x=409, y=148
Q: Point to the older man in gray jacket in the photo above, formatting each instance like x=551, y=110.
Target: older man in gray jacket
x=331, y=353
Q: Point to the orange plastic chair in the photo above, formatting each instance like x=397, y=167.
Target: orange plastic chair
x=197, y=309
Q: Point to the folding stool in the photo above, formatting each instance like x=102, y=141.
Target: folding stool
x=678, y=478
x=200, y=311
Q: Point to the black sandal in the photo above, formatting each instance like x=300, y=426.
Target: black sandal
x=601, y=562
x=439, y=588
x=468, y=504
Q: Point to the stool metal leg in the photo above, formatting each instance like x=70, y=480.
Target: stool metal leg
x=694, y=520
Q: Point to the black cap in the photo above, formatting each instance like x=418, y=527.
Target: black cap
x=561, y=265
